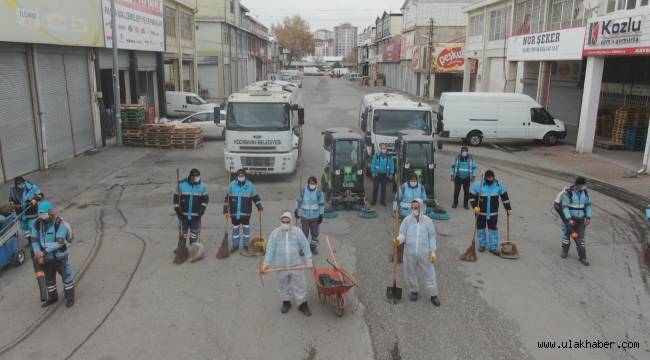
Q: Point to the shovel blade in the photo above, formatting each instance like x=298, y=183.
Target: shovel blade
x=394, y=293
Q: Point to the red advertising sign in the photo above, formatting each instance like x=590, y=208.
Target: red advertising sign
x=392, y=52
x=415, y=64
x=448, y=58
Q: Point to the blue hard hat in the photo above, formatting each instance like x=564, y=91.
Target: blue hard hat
x=45, y=207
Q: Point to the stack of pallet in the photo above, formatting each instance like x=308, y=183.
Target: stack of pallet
x=186, y=136
x=624, y=118
x=635, y=137
x=133, y=137
x=158, y=135
x=133, y=120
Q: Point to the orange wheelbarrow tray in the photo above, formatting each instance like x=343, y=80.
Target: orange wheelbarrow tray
x=337, y=295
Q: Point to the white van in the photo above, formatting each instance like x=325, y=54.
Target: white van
x=186, y=103
x=474, y=116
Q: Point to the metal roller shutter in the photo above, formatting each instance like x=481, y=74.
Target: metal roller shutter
x=56, y=113
x=76, y=74
x=208, y=80
x=17, y=133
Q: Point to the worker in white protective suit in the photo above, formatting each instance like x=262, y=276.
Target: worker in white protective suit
x=418, y=232
x=283, y=252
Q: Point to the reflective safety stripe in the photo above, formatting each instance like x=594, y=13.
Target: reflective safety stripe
x=463, y=170
x=311, y=207
x=494, y=213
x=190, y=213
x=507, y=202
x=576, y=207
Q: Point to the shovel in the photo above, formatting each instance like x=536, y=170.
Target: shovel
x=394, y=293
x=509, y=249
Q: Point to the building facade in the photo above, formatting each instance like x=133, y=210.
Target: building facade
x=324, y=43
x=180, y=46
x=345, y=39
x=367, y=51
x=388, y=32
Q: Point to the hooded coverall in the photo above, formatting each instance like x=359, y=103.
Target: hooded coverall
x=283, y=250
x=50, y=239
x=420, y=239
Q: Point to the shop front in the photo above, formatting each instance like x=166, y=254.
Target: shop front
x=615, y=103
x=447, y=66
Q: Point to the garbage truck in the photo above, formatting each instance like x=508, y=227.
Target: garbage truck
x=264, y=128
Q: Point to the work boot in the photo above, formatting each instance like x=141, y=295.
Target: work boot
x=495, y=252
x=455, y=205
x=435, y=301
x=481, y=248
x=246, y=248
x=565, y=251
x=303, y=308
x=234, y=249
x=413, y=296
x=69, y=297
x=51, y=299
x=314, y=249
x=286, y=306
x=584, y=261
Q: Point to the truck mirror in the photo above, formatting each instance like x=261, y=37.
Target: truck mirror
x=216, y=114
x=440, y=127
x=439, y=116
x=364, y=115
x=301, y=116
x=439, y=145
x=368, y=139
x=375, y=118
x=364, y=125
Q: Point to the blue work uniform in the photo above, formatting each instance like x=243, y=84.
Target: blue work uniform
x=23, y=198
x=239, y=204
x=463, y=168
x=50, y=238
x=190, y=205
x=382, y=167
x=283, y=250
x=486, y=197
x=406, y=194
x=576, y=206
x=311, y=204
x=419, y=238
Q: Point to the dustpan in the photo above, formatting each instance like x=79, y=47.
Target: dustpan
x=509, y=249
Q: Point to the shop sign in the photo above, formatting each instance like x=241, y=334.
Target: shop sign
x=551, y=45
x=72, y=23
x=392, y=52
x=618, y=35
x=415, y=63
x=447, y=58
x=406, y=46
x=139, y=24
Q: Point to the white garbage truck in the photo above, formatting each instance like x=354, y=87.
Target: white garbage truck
x=264, y=129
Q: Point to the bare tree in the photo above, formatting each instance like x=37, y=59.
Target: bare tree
x=293, y=35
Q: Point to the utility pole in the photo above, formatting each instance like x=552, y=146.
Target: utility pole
x=429, y=60
x=116, y=77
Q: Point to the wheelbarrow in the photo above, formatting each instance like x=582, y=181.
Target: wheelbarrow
x=333, y=283
x=10, y=251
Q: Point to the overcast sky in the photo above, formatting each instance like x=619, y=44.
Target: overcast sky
x=322, y=14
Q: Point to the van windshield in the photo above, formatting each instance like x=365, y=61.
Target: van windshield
x=257, y=116
x=391, y=122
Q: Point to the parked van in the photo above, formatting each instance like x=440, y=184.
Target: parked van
x=475, y=116
x=186, y=103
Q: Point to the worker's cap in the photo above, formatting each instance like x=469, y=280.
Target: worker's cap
x=464, y=148
x=195, y=172
x=19, y=180
x=241, y=172
x=45, y=207
x=581, y=181
x=312, y=180
x=489, y=173
x=413, y=176
x=287, y=215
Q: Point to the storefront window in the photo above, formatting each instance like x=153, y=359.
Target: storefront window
x=187, y=76
x=529, y=16
x=186, y=27
x=567, y=13
x=499, y=23
x=476, y=25
x=171, y=75
x=170, y=22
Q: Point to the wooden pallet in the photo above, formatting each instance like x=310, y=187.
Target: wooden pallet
x=608, y=145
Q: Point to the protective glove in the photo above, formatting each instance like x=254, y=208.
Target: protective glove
x=477, y=210
x=39, y=257
x=320, y=219
x=509, y=212
x=374, y=175
x=395, y=242
x=226, y=216
x=177, y=211
x=309, y=263
x=201, y=212
x=434, y=258
x=394, y=206
x=33, y=202
x=295, y=213
x=261, y=210
x=264, y=268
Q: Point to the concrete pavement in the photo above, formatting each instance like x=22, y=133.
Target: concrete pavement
x=132, y=302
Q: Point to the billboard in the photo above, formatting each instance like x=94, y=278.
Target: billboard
x=392, y=52
x=617, y=35
x=406, y=45
x=58, y=22
x=447, y=58
x=139, y=24
x=551, y=45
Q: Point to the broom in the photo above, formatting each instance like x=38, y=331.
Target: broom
x=182, y=253
x=470, y=253
x=224, y=251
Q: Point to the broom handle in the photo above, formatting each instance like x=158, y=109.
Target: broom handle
x=394, y=265
x=508, y=228
x=327, y=240
x=287, y=268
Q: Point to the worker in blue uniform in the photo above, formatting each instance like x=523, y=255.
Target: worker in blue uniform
x=485, y=201
x=463, y=173
x=50, y=236
x=576, y=208
x=382, y=168
x=310, y=208
x=190, y=205
x=238, y=207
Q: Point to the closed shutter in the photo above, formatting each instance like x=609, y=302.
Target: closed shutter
x=564, y=102
x=208, y=80
x=56, y=113
x=17, y=131
x=76, y=74
x=496, y=75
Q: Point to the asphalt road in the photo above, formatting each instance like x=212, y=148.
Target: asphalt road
x=133, y=303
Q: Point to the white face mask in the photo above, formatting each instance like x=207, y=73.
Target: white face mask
x=415, y=212
x=285, y=227
x=384, y=151
x=241, y=178
x=413, y=183
x=44, y=216
x=464, y=153
x=21, y=186
x=197, y=179
x=312, y=187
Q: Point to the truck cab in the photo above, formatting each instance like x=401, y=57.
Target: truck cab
x=264, y=129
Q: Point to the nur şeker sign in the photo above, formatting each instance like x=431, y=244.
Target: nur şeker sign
x=551, y=45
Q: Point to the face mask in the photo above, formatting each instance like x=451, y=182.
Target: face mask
x=312, y=187
x=384, y=151
x=413, y=184
x=197, y=179
x=285, y=227
x=415, y=212
x=464, y=154
x=21, y=186
x=44, y=217
x=241, y=178
x=489, y=182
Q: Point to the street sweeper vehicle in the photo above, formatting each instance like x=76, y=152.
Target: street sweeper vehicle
x=342, y=180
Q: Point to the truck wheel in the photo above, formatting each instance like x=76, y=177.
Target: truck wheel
x=19, y=258
x=551, y=138
x=474, y=138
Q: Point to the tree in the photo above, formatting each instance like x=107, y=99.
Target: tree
x=337, y=65
x=353, y=57
x=294, y=36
